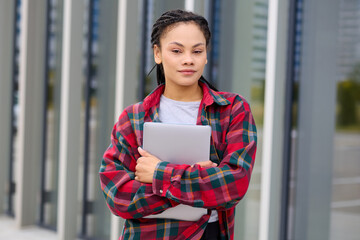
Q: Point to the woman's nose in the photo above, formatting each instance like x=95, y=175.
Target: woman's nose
x=188, y=60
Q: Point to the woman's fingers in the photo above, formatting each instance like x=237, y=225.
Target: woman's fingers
x=143, y=153
x=207, y=164
x=145, y=166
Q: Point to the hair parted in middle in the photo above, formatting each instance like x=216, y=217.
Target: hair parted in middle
x=165, y=21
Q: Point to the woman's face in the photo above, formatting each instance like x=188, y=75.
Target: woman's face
x=182, y=53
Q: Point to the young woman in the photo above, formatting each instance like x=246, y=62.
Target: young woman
x=137, y=184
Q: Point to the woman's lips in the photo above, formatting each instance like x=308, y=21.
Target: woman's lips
x=187, y=71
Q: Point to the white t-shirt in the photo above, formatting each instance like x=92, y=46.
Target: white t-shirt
x=178, y=112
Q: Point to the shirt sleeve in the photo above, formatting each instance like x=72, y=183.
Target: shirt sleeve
x=125, y=196
x=219, y=187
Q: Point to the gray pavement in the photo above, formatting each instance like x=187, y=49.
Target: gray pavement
x=9, y=231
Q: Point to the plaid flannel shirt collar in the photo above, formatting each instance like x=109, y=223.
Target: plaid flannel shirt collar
x=209, y=97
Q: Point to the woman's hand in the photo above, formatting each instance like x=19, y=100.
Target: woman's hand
x=145, y=166
x=206, y=164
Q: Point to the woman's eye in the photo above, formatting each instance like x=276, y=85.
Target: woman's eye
x=197, y=51
x=176, y=51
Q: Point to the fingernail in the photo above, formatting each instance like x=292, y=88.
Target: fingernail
x=214, y=164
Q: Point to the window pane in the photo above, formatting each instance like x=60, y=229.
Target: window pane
x=101, y=111
x=345, y=204
x=325, y=170
x=241, y=69
x=15, y=115
x=50, y=185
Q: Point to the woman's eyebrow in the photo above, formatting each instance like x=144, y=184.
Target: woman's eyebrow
x=198, y=44
x=181, y=45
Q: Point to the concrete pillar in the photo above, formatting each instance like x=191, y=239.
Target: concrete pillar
x=31, y=100
x=71, y=96
x=6, y=75
x=189, y=5
x=272, y=152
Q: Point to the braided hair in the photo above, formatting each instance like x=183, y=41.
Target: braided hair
x=162, y=25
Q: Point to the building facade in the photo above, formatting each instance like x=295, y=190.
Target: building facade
x=68, y=68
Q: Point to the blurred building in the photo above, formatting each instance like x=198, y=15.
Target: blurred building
x=349, y=37
x=68, y=68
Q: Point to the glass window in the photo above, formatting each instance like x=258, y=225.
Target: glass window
x=326, y=185
x=98, y=112
x=153, y=8
x=15, y=115
x=296, y=55
x=345, y=202
x=49, y=184
x=242, y=43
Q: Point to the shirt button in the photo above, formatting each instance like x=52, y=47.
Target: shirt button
x=161, y=191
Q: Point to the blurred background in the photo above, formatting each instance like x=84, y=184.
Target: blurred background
x=68, y=68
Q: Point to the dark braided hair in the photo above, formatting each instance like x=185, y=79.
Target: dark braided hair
x=162, y=25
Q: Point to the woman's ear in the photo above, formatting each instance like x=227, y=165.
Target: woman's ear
x=157, y=54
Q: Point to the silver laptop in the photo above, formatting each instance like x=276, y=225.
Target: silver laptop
x=179, y=144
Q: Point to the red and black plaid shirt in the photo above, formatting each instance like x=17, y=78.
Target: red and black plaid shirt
x=233, y=147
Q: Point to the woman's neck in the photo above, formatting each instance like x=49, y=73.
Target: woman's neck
x=183, y=93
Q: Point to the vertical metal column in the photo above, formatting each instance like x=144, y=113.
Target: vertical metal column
x=105, y=58
x=44, y=133
x=87, y=130
x=31, y=77
x=288, y=118
x=214, y=24
x=272, y=154
x=70, y=119
x=7, y=26
x=316, y=121
x=126, y=72
x=14, y=122
x=144, y=55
